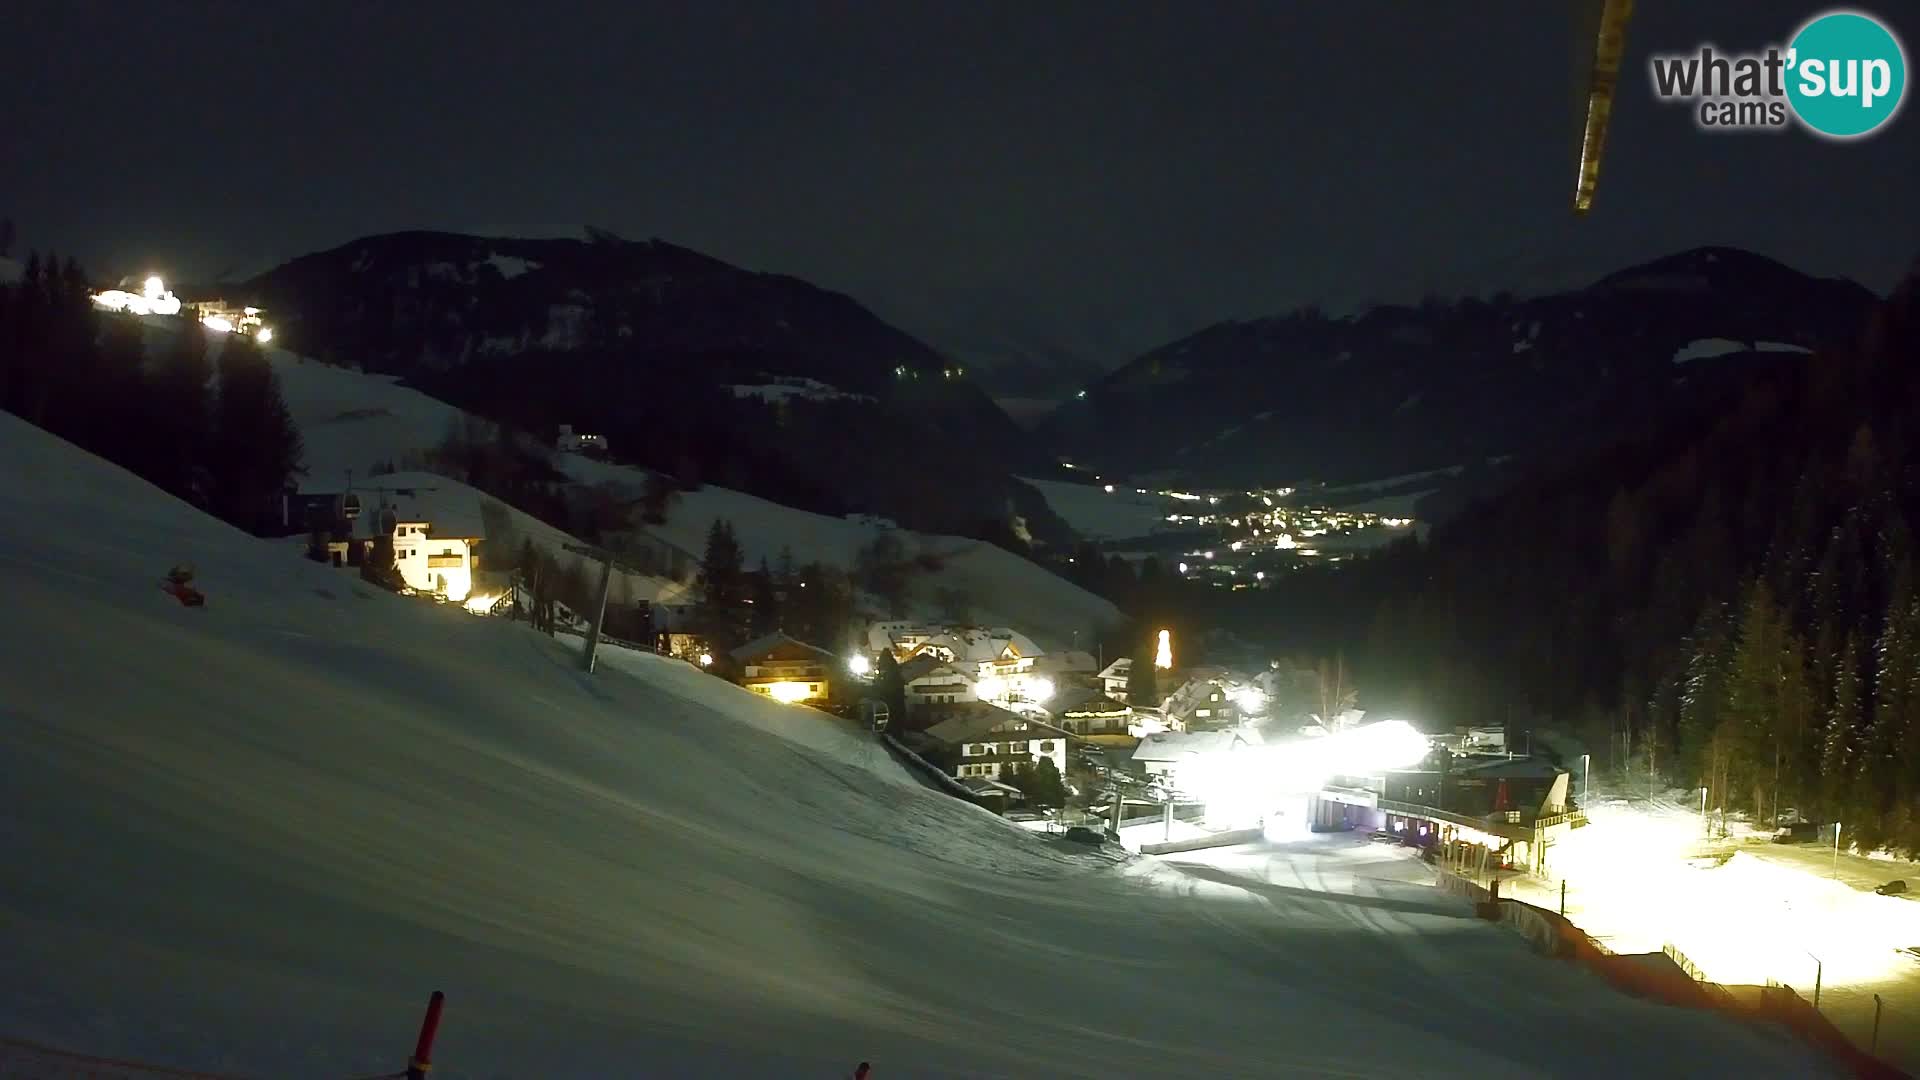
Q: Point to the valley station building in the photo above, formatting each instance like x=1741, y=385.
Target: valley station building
x=1493, y=809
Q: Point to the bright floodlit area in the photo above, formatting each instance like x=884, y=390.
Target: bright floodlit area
x=1650, y=872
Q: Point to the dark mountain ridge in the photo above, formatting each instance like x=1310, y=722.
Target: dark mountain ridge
x=670, y=354
x=1399, y=389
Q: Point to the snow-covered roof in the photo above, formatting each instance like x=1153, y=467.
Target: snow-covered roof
x=921, y=667
x=980, y=721
x=1119, y=669
x=975, y=644
x=1081, y=699
x=777, y=641
x=1071, y=662
x=1194, y=693
x=1176, y=746
x=1503, y=768
x=887, y=636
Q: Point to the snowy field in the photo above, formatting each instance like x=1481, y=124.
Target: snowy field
x=1098, y=514
x=251, y=837
x=1003, y=588
x=351, y=420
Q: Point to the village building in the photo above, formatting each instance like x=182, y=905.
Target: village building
x=787, y=670
x=975, y=739
x=1114, y=677
x=930, y=680
x=435, y=529
x=1088, y=712
x=1203, y=703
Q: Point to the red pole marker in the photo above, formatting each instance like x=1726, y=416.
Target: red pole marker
x=423, y=1050
x=860, y=1071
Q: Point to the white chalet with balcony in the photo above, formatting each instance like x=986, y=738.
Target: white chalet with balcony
x=930, y=680
x=436, y=531
x=979, y=740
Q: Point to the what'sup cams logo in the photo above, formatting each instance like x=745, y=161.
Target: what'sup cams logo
x=1841, y=76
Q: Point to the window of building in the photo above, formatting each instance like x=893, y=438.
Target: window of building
x=1203, y=713
x=1046, y=747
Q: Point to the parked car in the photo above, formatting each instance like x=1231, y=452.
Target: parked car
x=1080, y=834
x=1896, y=887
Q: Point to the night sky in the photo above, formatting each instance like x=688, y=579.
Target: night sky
x=1083, y=174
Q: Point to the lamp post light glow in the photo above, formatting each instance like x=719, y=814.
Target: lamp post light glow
x=706, y=659
x=860, y=666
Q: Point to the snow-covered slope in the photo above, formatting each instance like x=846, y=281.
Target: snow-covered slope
x=1001, y=588
x=250, y=837
x=351, y=420
x=1099, y=514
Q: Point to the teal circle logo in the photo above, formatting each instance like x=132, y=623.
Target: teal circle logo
x=1846, y=74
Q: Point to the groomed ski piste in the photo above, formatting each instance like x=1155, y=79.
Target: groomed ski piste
x=250, y=837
